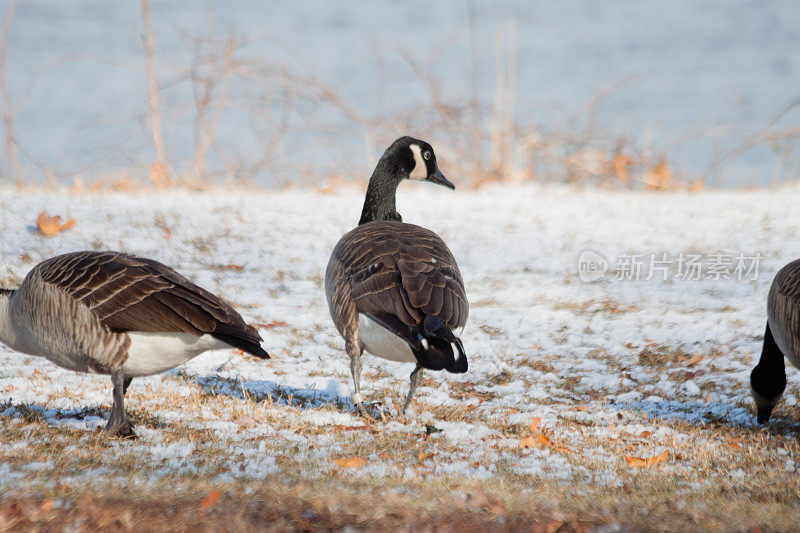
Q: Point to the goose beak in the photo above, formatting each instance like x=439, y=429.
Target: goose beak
x=439, y=179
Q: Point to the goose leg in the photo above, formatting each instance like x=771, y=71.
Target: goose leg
x=416, y=376
x=118, y=423
x=354, y=351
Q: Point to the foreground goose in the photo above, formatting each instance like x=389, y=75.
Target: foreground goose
x=394, y=289
x=781, y=338
x=113, y=313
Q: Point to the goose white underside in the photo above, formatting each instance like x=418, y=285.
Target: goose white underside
x=382, y=343
x=153, y=353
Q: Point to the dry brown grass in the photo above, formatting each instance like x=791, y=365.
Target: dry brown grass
x=751, y=487
x=646, y=501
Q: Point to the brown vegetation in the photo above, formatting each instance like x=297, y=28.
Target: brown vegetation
x=276, y=105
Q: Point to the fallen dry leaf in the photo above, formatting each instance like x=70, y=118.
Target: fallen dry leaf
x=350, y=462
x=246, y=422
x=52, y=226
x=209, y=501
x=273, y=324
x=645, y=434
x=549, y=527
x=478, y=499
x=539, y=438
x=694, y=360
x=638, y=462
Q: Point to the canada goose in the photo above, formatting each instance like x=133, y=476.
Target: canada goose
x=394, y=289
x=117, y=314
x=781, y=338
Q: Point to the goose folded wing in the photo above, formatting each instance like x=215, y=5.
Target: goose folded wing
x=408, y=287
x=130, y=293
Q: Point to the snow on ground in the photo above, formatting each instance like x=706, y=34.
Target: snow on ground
x=611, y=367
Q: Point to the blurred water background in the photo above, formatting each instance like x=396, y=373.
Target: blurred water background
x=310, y=89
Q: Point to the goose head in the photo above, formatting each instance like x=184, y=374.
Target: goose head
x=413, y=159
x=406, y=159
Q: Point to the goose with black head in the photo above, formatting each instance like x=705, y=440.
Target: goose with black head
x=781, y=339
x=118, y=314
x=394, y=289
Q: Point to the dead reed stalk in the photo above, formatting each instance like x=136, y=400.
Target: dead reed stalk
x=159, y=174
x=9, y=110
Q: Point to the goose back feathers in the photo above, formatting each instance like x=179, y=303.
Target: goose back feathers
x=783, y=311
x=399, y=275
x=78, y=309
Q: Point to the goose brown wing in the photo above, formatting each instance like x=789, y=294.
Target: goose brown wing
x=129, y=293
x=403, y=271
x=783, y=309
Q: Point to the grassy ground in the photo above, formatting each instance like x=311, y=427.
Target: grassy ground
x=761, y=494
x=610, y=405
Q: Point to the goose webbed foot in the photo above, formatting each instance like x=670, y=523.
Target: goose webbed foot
x=119, y=424
x=122, y=429
x=362, y=410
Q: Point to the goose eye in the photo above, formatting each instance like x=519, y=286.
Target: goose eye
x=426, y=155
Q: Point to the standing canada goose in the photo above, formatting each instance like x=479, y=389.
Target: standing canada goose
x=781, y=338
x=394, y=289
x=113, y=313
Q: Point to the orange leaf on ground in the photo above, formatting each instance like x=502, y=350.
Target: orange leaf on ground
x=645, y=434
x=694, y=360
x=537, y=440
x=209, y=501
x=52, y=226
x=350, y=462
x=638, y=462
x=273, y=324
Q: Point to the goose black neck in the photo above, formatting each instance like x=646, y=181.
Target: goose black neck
x=769, y=376
x=379, y=203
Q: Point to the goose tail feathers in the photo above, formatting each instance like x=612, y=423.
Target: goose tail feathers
x=439, y=348
x=250, y=346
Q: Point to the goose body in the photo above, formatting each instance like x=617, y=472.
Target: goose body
x=117, y=314
x=394, y=289
x=781, y=339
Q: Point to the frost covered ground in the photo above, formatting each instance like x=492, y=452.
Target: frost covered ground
x=614, y=368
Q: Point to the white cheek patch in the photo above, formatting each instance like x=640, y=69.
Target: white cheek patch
x=420, y=171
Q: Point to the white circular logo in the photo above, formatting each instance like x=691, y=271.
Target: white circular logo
x=591, y=266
